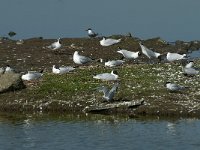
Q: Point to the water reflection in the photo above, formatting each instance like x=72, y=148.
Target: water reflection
x=86, y=131
x=171, y=128
x=28, y=137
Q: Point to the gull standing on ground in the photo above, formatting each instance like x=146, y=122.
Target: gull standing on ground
x=109, y=94
x=62, y=70
x=107, y=76
x=79, y=59
x=91, y=33
x=175, y=56
x=19, y=42
x=114, y=63
x=55, y=45
x=149, y=53
x=8, y=69
x=128, y=54
x=32, y=75
x=188, y=70
x=175, y=87
x=109, y=42
x=190, y=64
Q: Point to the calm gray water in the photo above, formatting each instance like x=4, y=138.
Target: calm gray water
x=170, y=19
x=194, y=54
x=97, y=132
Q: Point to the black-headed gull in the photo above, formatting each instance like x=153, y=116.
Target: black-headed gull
x=62, y=69
x=108, y=94
x=55, y=45
x=175, y=56
x=190, y=71
x=190, y=64
x=114, y=63
x=128, y=54
x=8, y=69
x=79, y=59
x=32, y=75
x=107, y=76
x=109, y=41
x=91, y=33
x=174, y=87
x=149, y=53
x=19, y=42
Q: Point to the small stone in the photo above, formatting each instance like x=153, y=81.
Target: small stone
x=11, y=82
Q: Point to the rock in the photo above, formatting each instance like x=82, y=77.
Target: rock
x=108, y=106
x=11, y=82
x=194, y=45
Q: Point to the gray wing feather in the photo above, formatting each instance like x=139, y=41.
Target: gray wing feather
x=84, y=59
x=113, y=91
x=190, y=71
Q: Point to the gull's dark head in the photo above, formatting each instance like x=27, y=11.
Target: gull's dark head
x=166, y=83
x=88, y=29
x=115, y=72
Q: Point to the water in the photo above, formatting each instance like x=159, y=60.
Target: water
x=171, y=20
x=97, y=132
x=194, y=54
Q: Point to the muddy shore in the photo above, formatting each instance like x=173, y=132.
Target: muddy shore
x=43, y=96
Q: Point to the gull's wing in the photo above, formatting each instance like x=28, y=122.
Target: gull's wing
x=113, y=91
x=84, y=59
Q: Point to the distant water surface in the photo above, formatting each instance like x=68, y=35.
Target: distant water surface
x=97, y=132
x=194, y=54
x=171, y=20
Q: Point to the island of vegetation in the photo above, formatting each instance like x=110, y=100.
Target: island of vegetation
x=142, y=88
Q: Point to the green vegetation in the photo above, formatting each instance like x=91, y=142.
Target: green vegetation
x=76, y=90
x=136, y=82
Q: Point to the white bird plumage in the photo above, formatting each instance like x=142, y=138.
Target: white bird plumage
x=62, y=70
x=175, y=56
x=32, y=75
x=55, y=45
x=8, y=69
x=19, y=42
x=108, y=94
x=175, y=87
x=79, y=59
x=114, y=63
x=190, y=71
x=107, y=76
x=189, y=65
x=128, y=54
x=149, y=53
x=109, y=42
